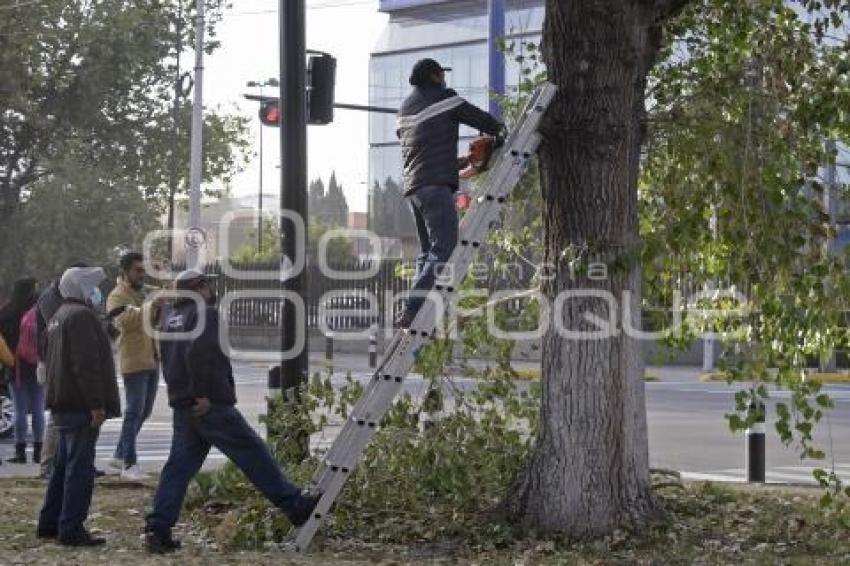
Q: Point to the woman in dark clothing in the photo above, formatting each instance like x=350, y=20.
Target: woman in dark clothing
x=23, y=297
x=26, y=392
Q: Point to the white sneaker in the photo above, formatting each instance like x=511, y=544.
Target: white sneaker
x=116, y=464
x=133, y=473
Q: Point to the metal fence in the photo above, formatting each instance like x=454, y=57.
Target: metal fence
x=350, y=295
x=368, y=293
x=353, y=294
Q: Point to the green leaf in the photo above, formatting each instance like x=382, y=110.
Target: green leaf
x=824, y=401
x=815, y=454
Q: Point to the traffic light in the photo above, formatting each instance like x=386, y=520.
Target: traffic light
x=270, y=113
x=321, y=82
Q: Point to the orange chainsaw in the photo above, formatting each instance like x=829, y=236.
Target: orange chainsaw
x=477, y=158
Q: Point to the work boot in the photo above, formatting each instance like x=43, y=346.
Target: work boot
x=36, y=452
x=303, y=509
x=20, y=454
x=46, y=532
x=83, y=538
x=160, y=541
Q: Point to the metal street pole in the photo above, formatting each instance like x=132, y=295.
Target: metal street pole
x=261, y=84
x=193, y=244
x=828, y=361
x=496, y=18
x=260, y=197
x=175, y=131
x=293, y=188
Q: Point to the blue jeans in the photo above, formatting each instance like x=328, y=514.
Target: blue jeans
x=225, y=428
x=140, y=394
x=66, y=503
x=28, y=396
x=437, y=225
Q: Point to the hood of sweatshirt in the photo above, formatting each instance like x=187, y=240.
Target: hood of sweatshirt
x=79, y=282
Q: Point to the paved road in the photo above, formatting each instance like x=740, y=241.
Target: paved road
x=687, y=430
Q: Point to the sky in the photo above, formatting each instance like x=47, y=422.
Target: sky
x=347, y=29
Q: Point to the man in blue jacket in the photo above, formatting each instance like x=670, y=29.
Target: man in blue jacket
x=428, y=125
x=201, y=391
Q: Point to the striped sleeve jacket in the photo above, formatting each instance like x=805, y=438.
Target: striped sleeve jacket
x=428, y=125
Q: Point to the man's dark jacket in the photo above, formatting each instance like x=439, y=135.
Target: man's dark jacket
x=80, y=369
x=48, y=303
x=194, y=368
x=428, y=124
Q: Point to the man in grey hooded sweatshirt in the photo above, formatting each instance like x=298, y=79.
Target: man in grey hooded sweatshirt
x=82, y=391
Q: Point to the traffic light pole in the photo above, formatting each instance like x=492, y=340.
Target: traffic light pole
x=293, y=188
x=260, y=196
x=175, y=131
x=340, y=105
x=196, y=165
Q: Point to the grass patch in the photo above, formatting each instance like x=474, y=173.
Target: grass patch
x=532, y=374
x=707, y=523
x=830, y=377
x=529, y=374
x=824, y=378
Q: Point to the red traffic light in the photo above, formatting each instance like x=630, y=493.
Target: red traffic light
x=270, y=113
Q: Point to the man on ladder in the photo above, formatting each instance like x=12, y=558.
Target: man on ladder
x=428, y=125
x=401, y=353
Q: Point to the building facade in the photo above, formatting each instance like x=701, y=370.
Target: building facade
x=455, y=34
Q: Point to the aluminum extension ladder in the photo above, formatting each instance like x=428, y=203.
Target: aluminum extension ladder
x=511, y=163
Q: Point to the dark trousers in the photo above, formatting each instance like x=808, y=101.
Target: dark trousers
x=69, y=492
x=437, y=226
x=139, y=394
x=28, y=397
x=225, y=428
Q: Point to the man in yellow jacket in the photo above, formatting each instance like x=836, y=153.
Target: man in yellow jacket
x=138, y=362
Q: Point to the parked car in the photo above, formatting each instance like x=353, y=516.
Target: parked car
x=7, y=411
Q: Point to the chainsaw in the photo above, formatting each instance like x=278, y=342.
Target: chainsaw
x=478, y=157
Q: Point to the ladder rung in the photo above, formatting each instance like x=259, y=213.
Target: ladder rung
x=306, y=532
x=355, y=443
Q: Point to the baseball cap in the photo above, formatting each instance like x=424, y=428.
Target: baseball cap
x=423, y=69
x=190, y=279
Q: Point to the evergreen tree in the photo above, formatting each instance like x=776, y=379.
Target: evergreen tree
x=316, y=199
x=336, y=207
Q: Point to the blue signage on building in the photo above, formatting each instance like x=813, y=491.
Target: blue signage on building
x=392, y=5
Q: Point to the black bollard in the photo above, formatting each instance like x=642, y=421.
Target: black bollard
x=329, y=345
x=756, y=446
x=373, y=346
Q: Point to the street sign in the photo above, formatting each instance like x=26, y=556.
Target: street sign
x=195, y=237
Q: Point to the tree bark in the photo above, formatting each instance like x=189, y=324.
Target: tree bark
x=589, y=471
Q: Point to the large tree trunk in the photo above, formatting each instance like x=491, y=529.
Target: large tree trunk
x=589, y=472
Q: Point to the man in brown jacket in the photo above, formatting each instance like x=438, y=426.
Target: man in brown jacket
x=82, y=391
x=137, y=358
